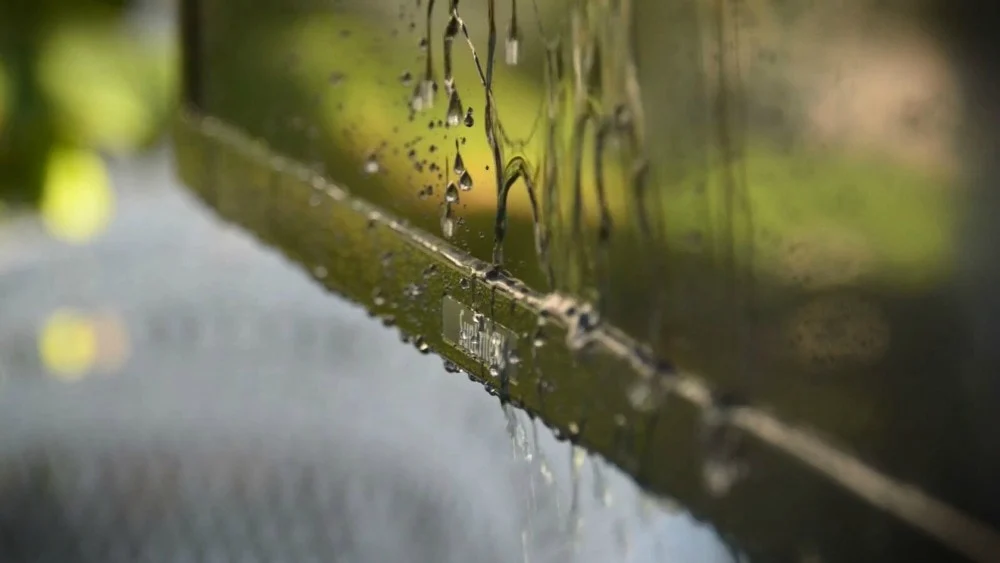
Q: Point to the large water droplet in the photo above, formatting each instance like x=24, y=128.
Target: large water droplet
x=453, y=27
x=447, y=225
x=454, y=116
x=465, y=181
x=513, y=50
x=451, y=193
x=423, y=95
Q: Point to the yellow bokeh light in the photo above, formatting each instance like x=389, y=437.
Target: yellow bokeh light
x=77, y=199
x=68, y=345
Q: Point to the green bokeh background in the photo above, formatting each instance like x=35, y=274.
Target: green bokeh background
x=79, y=75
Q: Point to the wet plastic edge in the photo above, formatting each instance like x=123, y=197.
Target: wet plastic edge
x=372, y=259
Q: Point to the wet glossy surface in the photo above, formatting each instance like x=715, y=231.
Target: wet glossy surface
x=232, y=410
x=778, y=199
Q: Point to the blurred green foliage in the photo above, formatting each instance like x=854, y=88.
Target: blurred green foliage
x=75, y=76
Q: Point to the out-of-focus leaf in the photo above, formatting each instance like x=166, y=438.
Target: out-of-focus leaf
x=77, y=199
x=108, y=90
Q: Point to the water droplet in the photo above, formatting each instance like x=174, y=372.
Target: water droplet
x=447, y=225
x=601, y=491
x=513, y=49
x=451, y=193
x=539, y=339
x=320, y=272
x=454, y=116
x=465, y=181
x=720, y=477
x=464, y=283
x=469, y=120
x=450, y=366
x=513, y=359
x=377, y=298
x=543, y=468
x=643, y=396
x=413, y=291
x=573, y=429
x=459, y=163
x=371, y=164
x=406, y=78
x=494, y=370
x=423, y=95
x=722, y=466
x=389, y=320
x=422, y=346
x=453, y=27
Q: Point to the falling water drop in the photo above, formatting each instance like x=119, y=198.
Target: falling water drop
x=722, y=464
x=644, y=395
x=465, y=181
x=577, y=458
x=451, y=193
x=518, y=436
x=546, y=472
x=447, y=222
x=454, y=116
x=513, y=45
x=423, y=95
x=512, y=50
x=371, y=164
x=601, y=491
x=539, y=339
